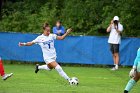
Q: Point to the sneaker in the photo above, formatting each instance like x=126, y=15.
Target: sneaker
x=113, y=69
x=6, y=76
x=36, y=68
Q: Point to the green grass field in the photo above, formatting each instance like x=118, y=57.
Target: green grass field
x=92, y=80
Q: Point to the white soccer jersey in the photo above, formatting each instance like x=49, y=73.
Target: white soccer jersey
x=114, y=37
x=47, y=45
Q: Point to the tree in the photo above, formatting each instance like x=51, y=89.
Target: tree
x=86, y=17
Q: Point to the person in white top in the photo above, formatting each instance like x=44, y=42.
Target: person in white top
x=115, y=29
x=46, y=42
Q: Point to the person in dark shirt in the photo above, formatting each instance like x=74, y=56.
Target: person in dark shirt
x=59, y=29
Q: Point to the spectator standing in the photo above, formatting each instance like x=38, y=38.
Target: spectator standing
x=115, y=29
x=59, y=30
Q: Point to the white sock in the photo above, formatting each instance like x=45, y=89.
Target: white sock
x=116, y=66
x=61, y=72
x=43, y=67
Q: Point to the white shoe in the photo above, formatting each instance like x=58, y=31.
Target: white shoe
x=113, y=69
x=6, y=76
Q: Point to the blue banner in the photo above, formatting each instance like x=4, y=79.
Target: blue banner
x=74, y=49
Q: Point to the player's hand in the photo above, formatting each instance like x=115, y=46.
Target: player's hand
x=69, y=30
x=21, y=44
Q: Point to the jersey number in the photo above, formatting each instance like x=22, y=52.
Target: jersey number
x=49, y=46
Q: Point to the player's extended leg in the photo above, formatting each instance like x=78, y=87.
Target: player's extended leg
x=4, y=76
x=52, y=65
x=59, y=69
x=133, y=81
x=38, y=67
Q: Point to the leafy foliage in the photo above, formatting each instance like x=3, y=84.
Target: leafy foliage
x=86, y=17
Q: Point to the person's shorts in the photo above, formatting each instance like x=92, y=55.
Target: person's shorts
x=138, y=67
x=49, y=60
x=114, y=48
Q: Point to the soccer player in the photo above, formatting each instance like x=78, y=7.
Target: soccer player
x=46, y=42
x=115, y=29
x=136, y=73
x=4, y=76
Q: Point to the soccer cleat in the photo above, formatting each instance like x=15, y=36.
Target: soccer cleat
x=6, y=76
x=36, y=68
x=113, y=69
x=125, y=91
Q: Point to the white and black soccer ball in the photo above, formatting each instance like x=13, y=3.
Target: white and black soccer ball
x=74, y=81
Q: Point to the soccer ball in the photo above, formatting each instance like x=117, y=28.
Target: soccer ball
x=74, y=81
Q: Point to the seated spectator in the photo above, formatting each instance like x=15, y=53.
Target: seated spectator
x=58, y=29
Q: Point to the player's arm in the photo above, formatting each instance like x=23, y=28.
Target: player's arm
x=137, y=59
x=26, y=44
x=63, y=36
x=134, y=69
x=35, y=41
